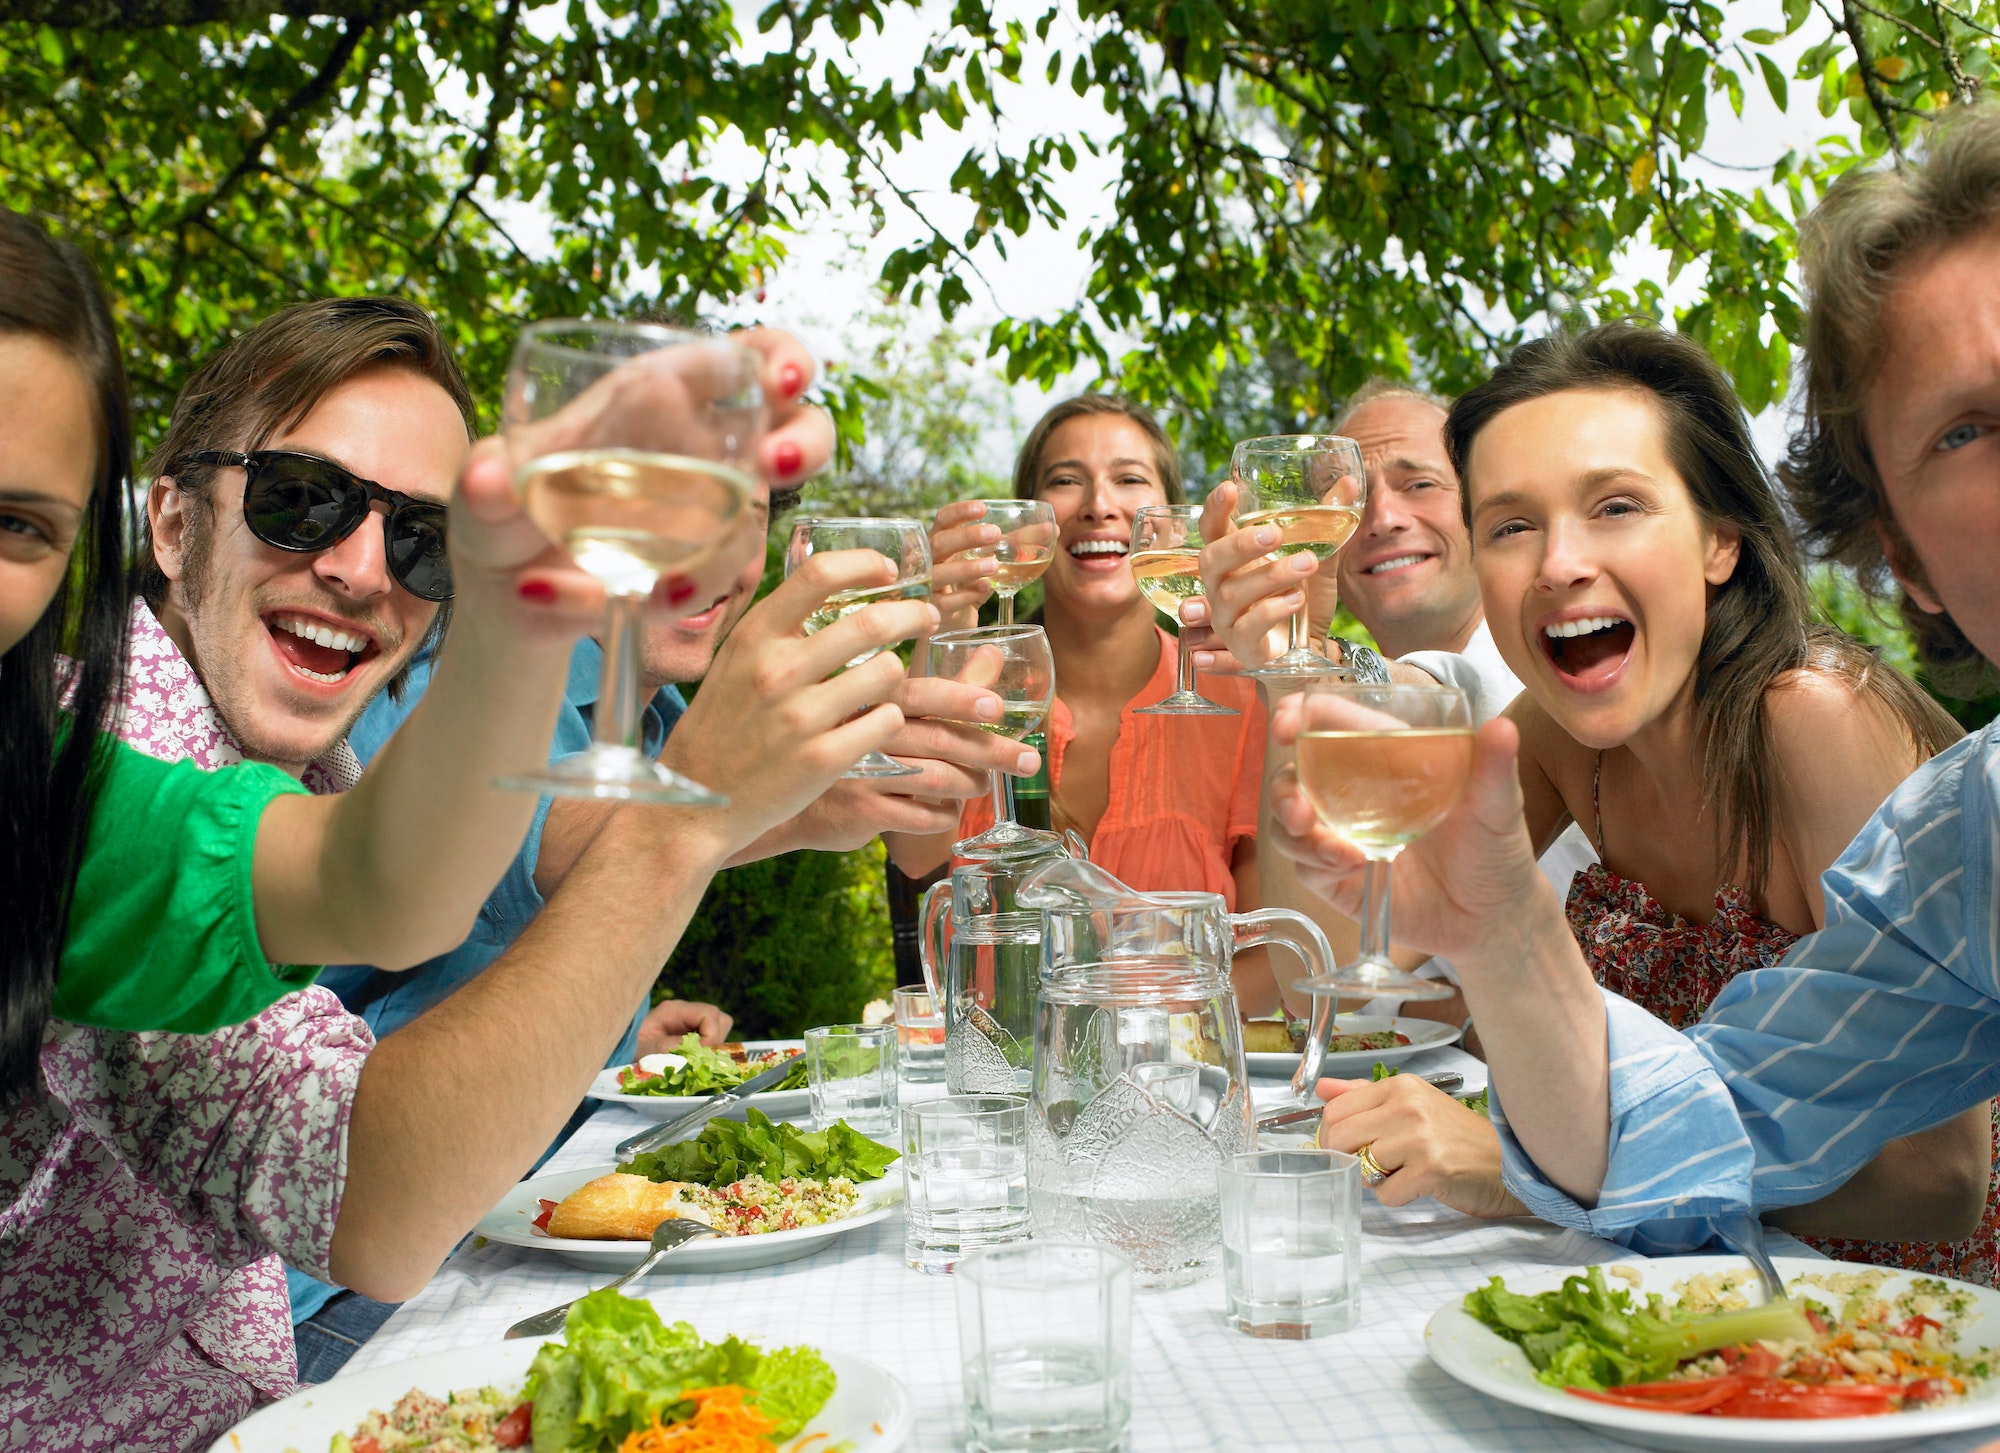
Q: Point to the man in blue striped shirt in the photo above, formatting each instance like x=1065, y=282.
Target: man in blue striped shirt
x=1887, y=1021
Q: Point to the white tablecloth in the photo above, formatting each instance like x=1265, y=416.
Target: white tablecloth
x=1196, y=1383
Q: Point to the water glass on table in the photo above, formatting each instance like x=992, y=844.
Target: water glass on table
x=965, y=1177
x=851, y=1075
x=919, y=1019
x=1291, y=1242
x=1045, y=1337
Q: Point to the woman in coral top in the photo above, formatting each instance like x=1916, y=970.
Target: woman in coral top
x=1165, y=802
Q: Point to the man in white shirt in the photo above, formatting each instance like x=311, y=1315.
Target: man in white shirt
x=1406, y=575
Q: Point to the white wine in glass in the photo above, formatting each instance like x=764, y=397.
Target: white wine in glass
x=632, y=445
x=1015, y=664
x=1165, y=557
x=1313, y=487
x=1026, y=549
x=1381, y=765
x=905, y=544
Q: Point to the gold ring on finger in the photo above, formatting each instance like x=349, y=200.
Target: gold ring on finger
x=1372, y=1174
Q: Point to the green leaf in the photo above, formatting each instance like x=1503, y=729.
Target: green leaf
x=1774, y=82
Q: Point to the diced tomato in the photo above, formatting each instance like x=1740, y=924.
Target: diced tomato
x=513, y=1431
x=1755, y=1359
x=366, y=1445
x=1818, y=1322
x=541, y=1222
x=1914, y=1328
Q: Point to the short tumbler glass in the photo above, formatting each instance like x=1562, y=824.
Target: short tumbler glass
x=1045, y=1335
x=965, y=1177
x=851, y=1074
x=1291, y=1242
x=919, y=1037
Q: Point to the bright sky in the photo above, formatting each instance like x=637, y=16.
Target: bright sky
x=825, y=285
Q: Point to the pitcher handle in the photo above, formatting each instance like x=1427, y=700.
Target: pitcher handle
x=930, y=944
x=1284, y=928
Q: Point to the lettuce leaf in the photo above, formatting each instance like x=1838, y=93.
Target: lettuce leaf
x=619, y=1365
x=729, y=1150
x=707, y=1072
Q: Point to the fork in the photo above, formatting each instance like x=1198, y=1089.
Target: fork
x=1743, y=1233
x=668, y=1237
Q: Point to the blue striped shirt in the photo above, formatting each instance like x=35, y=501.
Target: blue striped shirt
x=1884, y=1023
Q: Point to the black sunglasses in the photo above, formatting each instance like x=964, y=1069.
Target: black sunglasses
x=301, y=503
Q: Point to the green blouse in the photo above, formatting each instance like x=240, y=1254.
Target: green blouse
x=163, y=926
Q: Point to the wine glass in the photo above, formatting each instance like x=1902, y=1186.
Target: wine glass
x=1027, y=545
x=634, y=445
x=906, y=544
x=1313, y=488
x=1381, y=766
x=1166, y=561
x=1014, y=663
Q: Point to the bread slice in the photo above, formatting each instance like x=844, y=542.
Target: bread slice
x=621, y=1208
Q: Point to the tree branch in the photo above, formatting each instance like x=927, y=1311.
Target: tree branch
x=152, y=14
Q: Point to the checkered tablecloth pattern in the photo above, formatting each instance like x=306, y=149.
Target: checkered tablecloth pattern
x=1196, y=1384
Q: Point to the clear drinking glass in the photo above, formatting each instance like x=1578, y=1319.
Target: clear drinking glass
x=1166, y=561
x=1381, y=766
x=1027, y=545
x=965, y=1177
x=1291, y=1242
x=906, y=544
x=851, y=1075
x=633, y=445
x=919, y=1019
x=1045, y=1338
x=1014, y=663
x=1313, y=488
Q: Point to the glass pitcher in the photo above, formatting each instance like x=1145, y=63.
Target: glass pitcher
x=1140, y=1091
x=982, y=953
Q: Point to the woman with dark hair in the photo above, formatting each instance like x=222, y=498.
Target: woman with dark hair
x=1719, y=746
x=1166, y=802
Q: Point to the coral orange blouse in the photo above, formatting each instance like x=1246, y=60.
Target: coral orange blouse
x=1184, y=789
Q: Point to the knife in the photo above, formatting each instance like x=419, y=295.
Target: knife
x=701, y=1114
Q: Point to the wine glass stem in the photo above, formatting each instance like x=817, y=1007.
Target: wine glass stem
x=1297, y=628
x=1375, y=912
x=1183, y=666
x=1006, y=608
x=615, y=719
x=1003, y=799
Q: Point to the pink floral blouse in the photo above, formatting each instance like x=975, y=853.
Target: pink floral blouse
x=147, y=1196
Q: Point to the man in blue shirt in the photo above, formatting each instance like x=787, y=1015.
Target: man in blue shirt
x=1887, y=1021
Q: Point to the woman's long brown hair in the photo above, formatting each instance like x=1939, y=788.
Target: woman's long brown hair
x=1760, y=621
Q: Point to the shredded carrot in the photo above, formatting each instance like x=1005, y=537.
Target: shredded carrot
x=808, y=1438
x=721, y=1424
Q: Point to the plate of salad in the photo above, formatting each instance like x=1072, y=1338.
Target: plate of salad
x=1359, y=1042
x=1683, y=1353
x=776, y=1192
x=661, y=1086
x=618, y=1380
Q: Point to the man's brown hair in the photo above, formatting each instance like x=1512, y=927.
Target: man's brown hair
x=1856, y=247
x=268, y=379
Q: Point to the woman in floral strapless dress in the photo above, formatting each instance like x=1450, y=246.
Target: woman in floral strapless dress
x=1640, y=578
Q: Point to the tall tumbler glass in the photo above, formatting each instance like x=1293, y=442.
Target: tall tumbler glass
x=965, y=1177
x=851, y=1076
x=1291, y=1242
x=1045, y=1336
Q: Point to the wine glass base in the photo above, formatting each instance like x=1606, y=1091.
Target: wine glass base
x=1298, y=666
x=877, y=765
x=1185, y=703
x=1363, y=980
x=616, y=774
x=1005, y=841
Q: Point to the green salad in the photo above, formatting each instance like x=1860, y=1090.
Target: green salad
x=728, y=1151
x=707, y=1072
x=1475, y=1103
x=619, y=1365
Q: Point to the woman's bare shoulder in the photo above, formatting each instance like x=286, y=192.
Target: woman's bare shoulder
x=1823, y=722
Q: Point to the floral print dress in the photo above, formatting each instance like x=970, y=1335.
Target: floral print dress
x=1673, y=969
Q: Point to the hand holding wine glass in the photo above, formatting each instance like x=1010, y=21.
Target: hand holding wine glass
x=1013, y=662
x=906, y=545
x=963, y=562
x=632, y=445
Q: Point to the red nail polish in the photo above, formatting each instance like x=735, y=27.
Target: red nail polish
x=788, y=457
x=791, y=379
x=538, y=591
x=679, y=589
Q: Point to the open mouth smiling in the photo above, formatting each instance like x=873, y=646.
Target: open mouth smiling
x=1588, y=650
x=1397, y=562
x=318, y=649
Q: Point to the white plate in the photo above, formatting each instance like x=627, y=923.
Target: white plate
x=1424, y=1034
x=1480, y=1358
x=511, y=1223
x=778, y=1104
x=868, y=1409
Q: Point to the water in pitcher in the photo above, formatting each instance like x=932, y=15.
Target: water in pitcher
x=996, y=964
